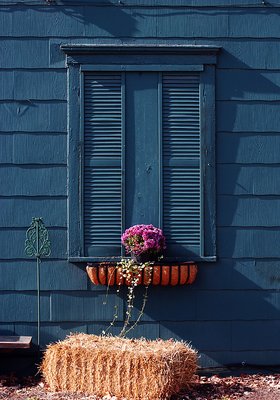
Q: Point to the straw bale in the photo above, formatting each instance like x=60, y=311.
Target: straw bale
x=127, y=368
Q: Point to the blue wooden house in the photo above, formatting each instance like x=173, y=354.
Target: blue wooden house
x=115, y=113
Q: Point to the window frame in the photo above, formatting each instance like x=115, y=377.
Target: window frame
x=188, y=58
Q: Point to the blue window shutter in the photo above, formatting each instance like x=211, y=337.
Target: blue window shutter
x=182, y=211
x=102, y=180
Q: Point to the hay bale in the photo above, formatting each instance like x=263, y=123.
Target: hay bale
x=126, y=368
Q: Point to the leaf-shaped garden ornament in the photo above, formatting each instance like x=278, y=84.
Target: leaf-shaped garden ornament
x=37, y=245
x=37, y=242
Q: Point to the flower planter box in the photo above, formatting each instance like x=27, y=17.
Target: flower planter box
x=178, y=274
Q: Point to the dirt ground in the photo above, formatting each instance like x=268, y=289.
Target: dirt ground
x=213, y=387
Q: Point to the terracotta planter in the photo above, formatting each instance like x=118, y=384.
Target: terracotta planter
x=164, y=275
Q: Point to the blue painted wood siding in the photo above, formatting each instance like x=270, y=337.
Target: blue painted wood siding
x=231, y=314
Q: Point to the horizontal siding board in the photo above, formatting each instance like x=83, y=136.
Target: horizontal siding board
x=230, y=274
x=248, y=243
x=33, y=181
x=35, y=53
x=85, y=306
x=218, y=334
x=162, y=304
x=247, y=23
x=159, y=22
x=7, y=329
x=248, y=211
x=233, y=148
x=191, y=3
x=33, y=85
x=248, y=180
x=254, y=336
x=12, y=244
x=18, y=212
x=55, y=275
x=247, y=54
x=251, y=84
x=212, y=359
x=22, y=148
x=237, y=116
x=22, y=307
x=148, y=330
x=101, y=22
x=49, y=333
x=33, y=116
x=238, y=305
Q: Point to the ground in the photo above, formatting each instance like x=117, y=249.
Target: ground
x=245, y=386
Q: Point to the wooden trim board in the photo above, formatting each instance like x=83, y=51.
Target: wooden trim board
x=15, y=342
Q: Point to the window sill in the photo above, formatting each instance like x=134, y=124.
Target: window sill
x=167, y=260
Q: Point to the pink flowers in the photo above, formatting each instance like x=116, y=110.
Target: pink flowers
x=139, y=239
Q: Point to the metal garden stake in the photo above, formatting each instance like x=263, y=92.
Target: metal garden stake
x=37, y=245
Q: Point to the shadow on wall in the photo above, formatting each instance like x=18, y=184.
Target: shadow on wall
x=116, y=22
x=107, y=19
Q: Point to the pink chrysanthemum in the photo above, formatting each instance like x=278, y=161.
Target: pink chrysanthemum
x=139, y=239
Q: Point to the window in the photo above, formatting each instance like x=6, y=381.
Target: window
x=141, y=148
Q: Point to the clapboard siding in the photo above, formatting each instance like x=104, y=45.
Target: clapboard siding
x=17, y=212
x=140, y=3
x=233, y=148
x=246, y=335
x=33, y=180
x=252, y=336
x=240, y=116
x=249, y=242
x=33, y=116
x=19, y=275
x=208, y=306
x=255, y=85
x=35, y=53
x=32, y=85
x=35, y=148
x=251, y=211
x=218, y=336
x=162, y=305
x=238, y=179
x=12, y=243
x=85, y=306
x=49, y=333
x=261, y=358
x=163, y=22
x=243, y=274
x=22, y=306
x=231, y=298
x=247, y=305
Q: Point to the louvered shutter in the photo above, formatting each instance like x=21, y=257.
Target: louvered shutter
x=102, y=204
x=181, y=163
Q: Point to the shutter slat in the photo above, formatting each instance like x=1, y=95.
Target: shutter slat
x=181, y=142
x=102, y=152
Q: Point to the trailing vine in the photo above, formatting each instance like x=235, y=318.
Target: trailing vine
x=133, y=273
